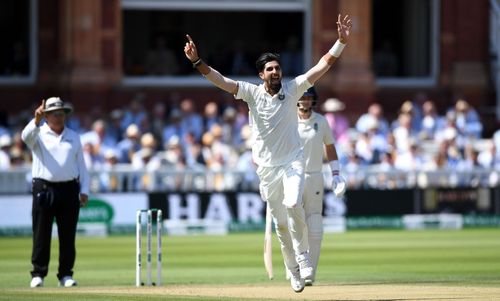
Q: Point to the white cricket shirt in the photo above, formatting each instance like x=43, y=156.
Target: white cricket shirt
x=273, y=120
x=314, y=133
x=56, y=158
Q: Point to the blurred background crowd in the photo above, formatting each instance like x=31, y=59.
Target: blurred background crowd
x=216, y=137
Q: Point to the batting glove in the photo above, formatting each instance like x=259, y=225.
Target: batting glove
x=338, y=182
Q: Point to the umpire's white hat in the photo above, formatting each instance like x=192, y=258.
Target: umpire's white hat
x=55, y=103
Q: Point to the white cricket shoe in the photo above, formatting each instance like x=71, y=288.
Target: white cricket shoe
x=306, y=270
x=309, y=282
x=297, y=282
x=36, y=282
x=67, y=281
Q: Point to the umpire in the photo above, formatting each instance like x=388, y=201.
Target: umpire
x=60, y=188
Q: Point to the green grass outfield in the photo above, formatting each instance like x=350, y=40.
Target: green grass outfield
x=105, y=267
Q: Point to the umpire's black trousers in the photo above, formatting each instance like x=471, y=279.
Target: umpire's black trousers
x=59, y=200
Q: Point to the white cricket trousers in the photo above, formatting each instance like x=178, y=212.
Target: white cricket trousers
x=313, y=206
x=282, y=188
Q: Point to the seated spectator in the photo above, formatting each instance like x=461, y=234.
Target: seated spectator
x=386, y=162
x=240, y=121
x=408, y=108
x=363, y=148
x=454, y=157
x=440, y=159
x=193, y=153
x=385, y=179
x=173, y=156
x=17, y=159
x=211, y=115
x=418, y=101
x=113, y=127
x=352, y=169
x=206, y=151
x=488, y=157
x=93, y=159
x=403, y=132
x=467, y=119
x=337, y=122
x=448, y=131
x=372, y=143
x=145, y=160
x=107, y=180
x=191, y=121
x=99, y=137
x=129, y=145
x=376, y=111
x=157, y=120
x=471, y=157
x=20, y=148
x=430, y=121
x=222, y=152
x=229, y=133
x=173, y=127
x=410, y=159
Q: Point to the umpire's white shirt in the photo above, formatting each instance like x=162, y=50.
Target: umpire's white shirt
x=56, y=158
x=273, y=120
x=314, y=132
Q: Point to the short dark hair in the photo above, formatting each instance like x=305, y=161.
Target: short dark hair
x=266, y=58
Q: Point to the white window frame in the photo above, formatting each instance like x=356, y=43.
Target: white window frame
x=432, y=79
x=33, y=52
x=212, y=5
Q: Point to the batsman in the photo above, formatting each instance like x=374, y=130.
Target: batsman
x=277, y=148
x=318, y=140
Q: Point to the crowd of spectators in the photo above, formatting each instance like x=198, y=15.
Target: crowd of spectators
x=217, y=138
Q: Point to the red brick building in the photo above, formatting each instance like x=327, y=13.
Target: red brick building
x=79, y=49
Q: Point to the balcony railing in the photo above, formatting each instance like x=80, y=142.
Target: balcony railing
x=123, y=178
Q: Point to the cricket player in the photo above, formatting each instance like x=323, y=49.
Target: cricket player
x=277, y=148
x=315, y=132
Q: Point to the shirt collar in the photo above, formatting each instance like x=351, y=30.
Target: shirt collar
x=47, y=130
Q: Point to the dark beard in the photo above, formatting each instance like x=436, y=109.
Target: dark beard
x=274, y=89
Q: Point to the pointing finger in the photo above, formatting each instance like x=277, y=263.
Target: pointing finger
x=189, y=39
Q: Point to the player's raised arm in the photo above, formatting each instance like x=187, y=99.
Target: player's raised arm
x=343, y=27
x=211, y=74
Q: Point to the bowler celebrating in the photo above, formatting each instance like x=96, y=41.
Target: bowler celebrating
x=277, y=148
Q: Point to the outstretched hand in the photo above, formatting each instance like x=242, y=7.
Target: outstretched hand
x=190, y=50
x=39, y=113
x=344, y=28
